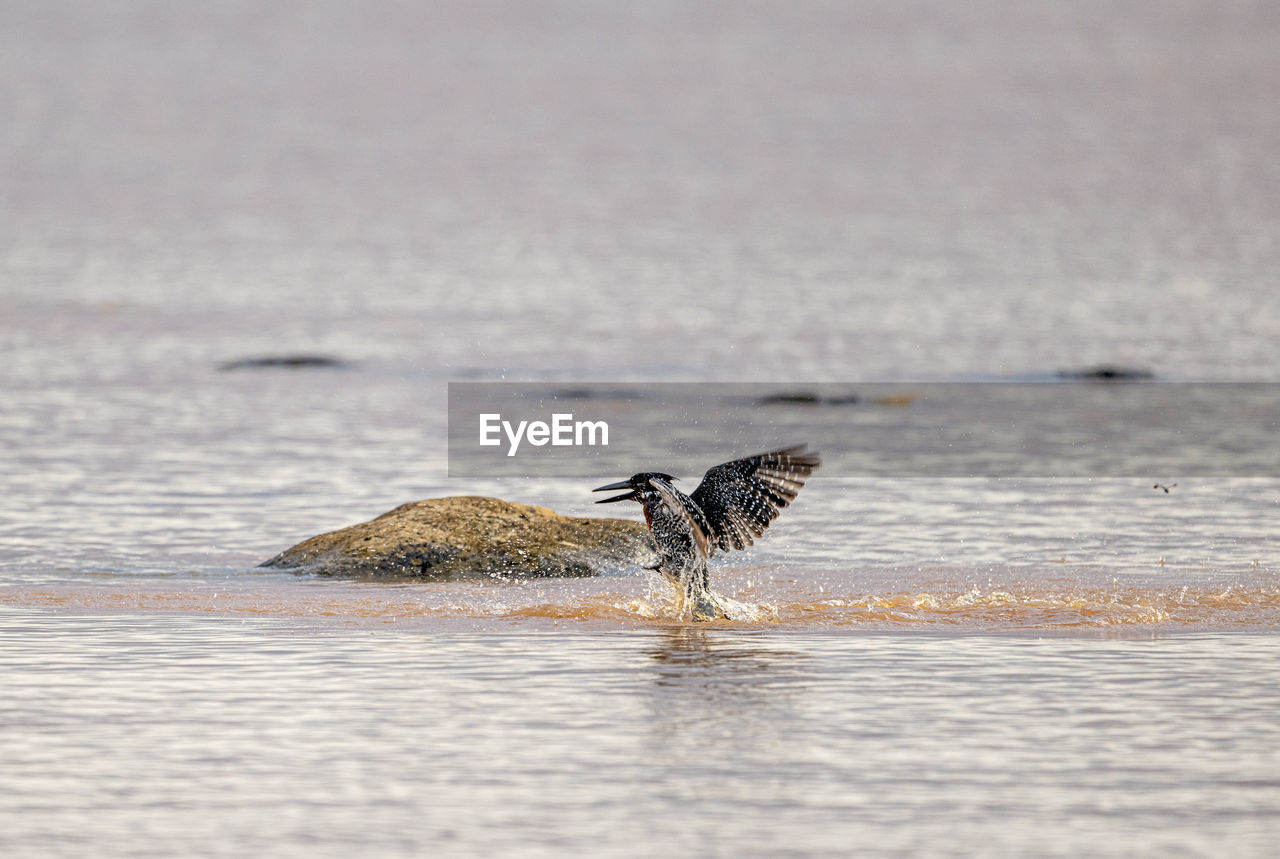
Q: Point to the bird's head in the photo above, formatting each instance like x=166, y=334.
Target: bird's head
x=637, y=486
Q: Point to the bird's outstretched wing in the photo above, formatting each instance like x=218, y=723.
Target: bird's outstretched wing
x=740, y=498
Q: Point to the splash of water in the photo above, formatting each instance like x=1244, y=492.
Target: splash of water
x=1040, y=607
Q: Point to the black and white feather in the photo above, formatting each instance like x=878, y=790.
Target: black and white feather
x=738, y=500
x=690, y=517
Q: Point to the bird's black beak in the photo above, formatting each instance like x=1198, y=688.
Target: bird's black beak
x=621, y=484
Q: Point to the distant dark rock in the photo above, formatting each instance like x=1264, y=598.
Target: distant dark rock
x=811, y=398
x=596, y=393
x=806, y=398
x=1108, y=373
x=290, y=362
x=472, y=536
x=796, y=398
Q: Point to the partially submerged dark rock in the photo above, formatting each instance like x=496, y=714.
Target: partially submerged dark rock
x=1108, y=373
x=807, y=398
x=462, y=536
x=813, y=398
x=289, y=362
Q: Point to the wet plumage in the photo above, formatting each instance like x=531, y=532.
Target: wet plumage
x=732, y=506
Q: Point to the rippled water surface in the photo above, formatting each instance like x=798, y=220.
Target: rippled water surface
x=231, y=736
x=560, y=192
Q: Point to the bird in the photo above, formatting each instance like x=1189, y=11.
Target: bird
x=735, y=502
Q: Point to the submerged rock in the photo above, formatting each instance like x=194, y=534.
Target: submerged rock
x=813, y=398
x=290, y=362
x=461, y=536
x=1108, y=373
x=807, y=398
